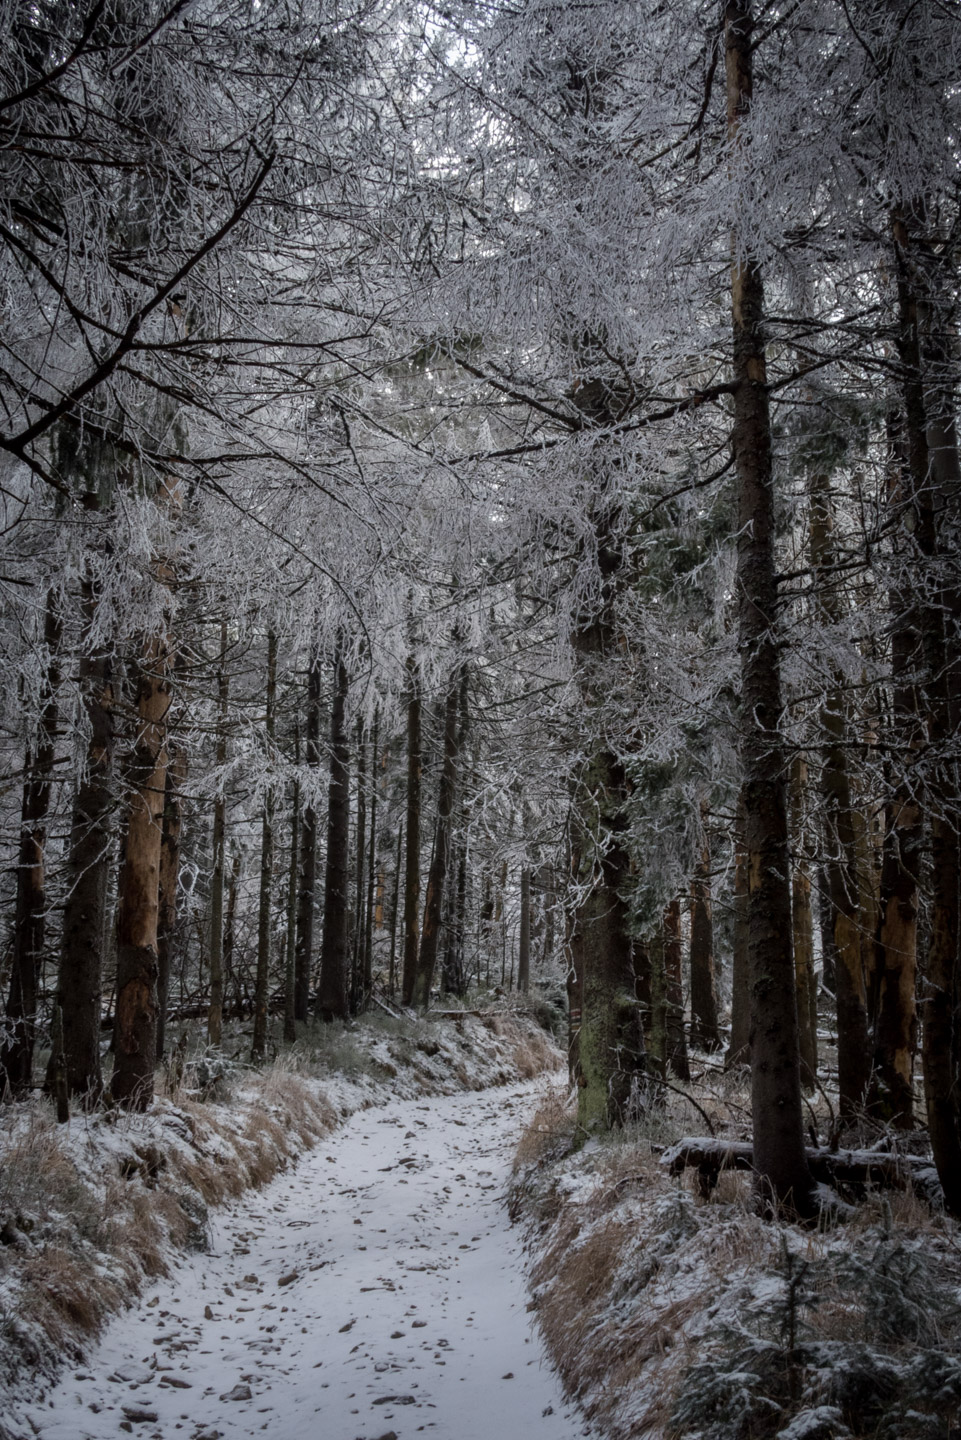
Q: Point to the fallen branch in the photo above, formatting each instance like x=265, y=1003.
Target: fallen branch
x=854, y=1168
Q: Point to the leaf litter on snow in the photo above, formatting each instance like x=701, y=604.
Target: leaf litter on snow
x=101, y=1207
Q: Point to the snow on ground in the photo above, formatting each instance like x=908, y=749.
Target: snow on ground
x=376, y=1291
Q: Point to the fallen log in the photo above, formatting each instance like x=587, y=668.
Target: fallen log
x=851, y=1169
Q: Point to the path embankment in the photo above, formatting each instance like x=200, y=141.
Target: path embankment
x=93, y=1211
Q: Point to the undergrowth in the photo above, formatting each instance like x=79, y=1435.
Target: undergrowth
x=673, y=1316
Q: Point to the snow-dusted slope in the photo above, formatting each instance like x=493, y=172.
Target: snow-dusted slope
x=375, y=1291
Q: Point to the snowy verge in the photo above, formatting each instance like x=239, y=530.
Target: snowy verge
x=91, y=1211
x=669, y=1315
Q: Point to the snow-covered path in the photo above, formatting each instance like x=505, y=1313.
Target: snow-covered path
x=376, y=1291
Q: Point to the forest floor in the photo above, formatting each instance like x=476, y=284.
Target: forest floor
x=673, y=1315
x=377, y=1289
x=300, y=1305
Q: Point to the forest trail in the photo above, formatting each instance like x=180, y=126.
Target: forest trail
x=375, y=1291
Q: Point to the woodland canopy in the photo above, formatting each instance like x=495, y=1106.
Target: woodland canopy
x=481, y=504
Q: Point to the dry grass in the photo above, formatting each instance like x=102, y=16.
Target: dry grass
x=581, y=1271
x=636, y=1278
x=66, y=1297
x=89, y=1213
x=551, y=1130
x=530, y=1050
x=39, y=1181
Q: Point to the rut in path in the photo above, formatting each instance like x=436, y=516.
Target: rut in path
x=376, y=1291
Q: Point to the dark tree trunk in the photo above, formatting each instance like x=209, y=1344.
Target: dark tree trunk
x=802, y=923
x=258, y=1047
x=783, y=1175
x=642, y=987
x=611, y=1052
x=367, y=968
x=360, y=876
x=524, y=949
x=933, y=505
x=610, y=1038
x=308, y=852
x=456, y=977
x=676, y=1040
x=88, y=862
x=395, y=916
x=335, y=951
x=896, y=1022
x=841, y=863
x=739, y=1048
x=290, y=967
x=649, y=955
x=412, y=867
x=547, y=886
x=454, y=980
x=705, y=1034
x=829, y=949
x=169, y=878
x=215, y=1014
x=437, y=875
x=16, y=1053
x=135, y=1020
x=231, y=978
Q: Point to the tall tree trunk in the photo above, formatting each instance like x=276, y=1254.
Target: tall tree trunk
x=868, y=852
x=739, y=1048
x=231, y=978
x=674, y=993
x=169, y=879
x=653, y=960
x=367, y=969
x=135, y=1021
x=642, y=987
x=705, y=1034
x=395, y=916
x=215, y=1013
x=933, y=504
x=524, y=949
x=573, y=976
x=802, y=922
x=437, y=875
x=547, y=888
x=896, y=1022
x=79, y=983
x=306, y=903
x=138, y=901
x=841, y=863
x=16, y=1051
x=453, y=979
x=258, y=1047
x=610, y=1038
x=290, y=966
x=335, y=952
x=360, y=875
x=829, y=949
x=780, y=1161
x=610, y=1045
x=412, y=866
